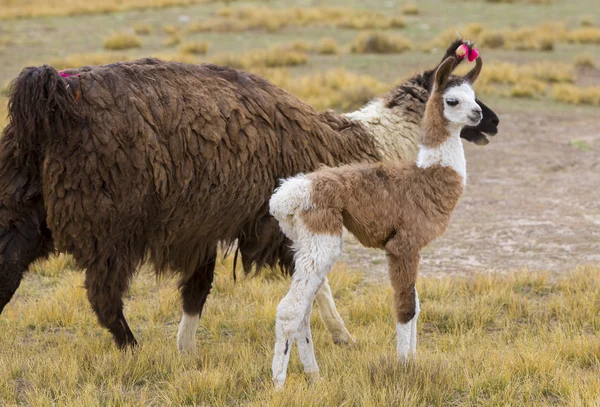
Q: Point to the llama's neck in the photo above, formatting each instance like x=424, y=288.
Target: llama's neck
x=448, y=154
x=396, y=136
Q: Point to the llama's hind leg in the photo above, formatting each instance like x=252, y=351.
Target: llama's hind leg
x=306, y=348
x=329, y=314
x=105, y=288
x=194, y=291
x=315, y=255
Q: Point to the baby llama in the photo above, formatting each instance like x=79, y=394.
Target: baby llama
x=396, y=207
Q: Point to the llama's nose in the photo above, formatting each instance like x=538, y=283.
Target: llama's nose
x=477, y=113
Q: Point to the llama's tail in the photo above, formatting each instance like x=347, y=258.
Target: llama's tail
x=42, y=108
x=292, y=196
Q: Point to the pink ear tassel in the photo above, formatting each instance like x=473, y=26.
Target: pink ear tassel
x=473, y=55
x=462, y=51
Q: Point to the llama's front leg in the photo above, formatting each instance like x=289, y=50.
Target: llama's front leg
x=329, y=314
x=314, y=258
x=403, y=270
x=413, y=328
x=194, y=291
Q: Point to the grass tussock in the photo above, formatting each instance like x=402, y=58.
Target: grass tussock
x=121, y=41
x=327, y=46
x=541, y=37
x=335, y=89
x=530, y=338
x=588, y=35
x=171, y=41
x=379, y=43
x=410, y=9
x=196, y=48
x=142, y=29
x=584, y=61
x=576, y=95
x=587, y=21
x=262, y=58
x=272, y=20
x=41, y=8
x=79, y=60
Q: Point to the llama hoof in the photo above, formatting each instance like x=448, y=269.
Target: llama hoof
x=344, y=339
x=313, y=377
x=278, y=384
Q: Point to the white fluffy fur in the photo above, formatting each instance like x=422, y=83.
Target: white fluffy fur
x=390, y=130
x=186, y=336
x=315, y=254
x=449, y=154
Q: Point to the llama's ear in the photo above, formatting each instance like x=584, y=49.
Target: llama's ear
x=443, y=73
x=474, y=74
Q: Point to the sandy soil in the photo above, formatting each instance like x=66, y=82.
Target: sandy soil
x=532, y=201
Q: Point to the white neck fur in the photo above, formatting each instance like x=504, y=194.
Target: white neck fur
x=396, y=135
x=449, y=154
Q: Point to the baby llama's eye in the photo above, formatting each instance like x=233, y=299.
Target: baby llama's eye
x=451, y=102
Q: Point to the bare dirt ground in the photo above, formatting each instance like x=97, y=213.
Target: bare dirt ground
x=532, y=201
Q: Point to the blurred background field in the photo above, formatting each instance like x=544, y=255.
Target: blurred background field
x=526, y=335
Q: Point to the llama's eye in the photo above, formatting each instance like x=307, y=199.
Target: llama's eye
x=451, y=102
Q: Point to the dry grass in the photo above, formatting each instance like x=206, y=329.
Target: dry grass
x=584, y=61
x=142, y=29
x=410, y=9
x=335, y=89
x=261, y=58
x=526, y=338
x=121, y=41
x=379, y=43
x=575, y=95
x=39, y=8
x=196, y=48
x=588, y=35
x=587, y=21
x=3, y=112
x=78, y=60
x=171, y=41
x=327, y=46
x=542, y=37
x=272, y=20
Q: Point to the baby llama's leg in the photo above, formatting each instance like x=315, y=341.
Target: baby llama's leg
x=332, y=320
x=413, y=328
x=306, y=349
x=315, y=255
x=403, y=268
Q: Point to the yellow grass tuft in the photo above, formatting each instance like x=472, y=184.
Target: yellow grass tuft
x=172, y=40
x=142, y=29
x=527, y=337
x=589, y=35
x=586, y=21
x=121, y=41
x=262, y=58
x=584, y=61
x=410, y=9
x=79, y=60
x=575, y=95
x=171, y=29
x=275, y=19
x=196, y=48
x=335, y=89
x=379, y=43
x=327, y=46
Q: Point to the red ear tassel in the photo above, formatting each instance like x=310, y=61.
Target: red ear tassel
x=463, y=51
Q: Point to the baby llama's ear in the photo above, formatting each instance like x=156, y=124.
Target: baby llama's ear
x=474, y=74
x=443, y=73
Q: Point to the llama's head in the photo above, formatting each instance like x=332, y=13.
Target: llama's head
x=452, y=104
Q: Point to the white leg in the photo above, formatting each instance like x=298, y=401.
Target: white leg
x=315, y=255
x=333, y=321
x=413, y=328
x=403, y=345
x=186, y=337
x=306, y=349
